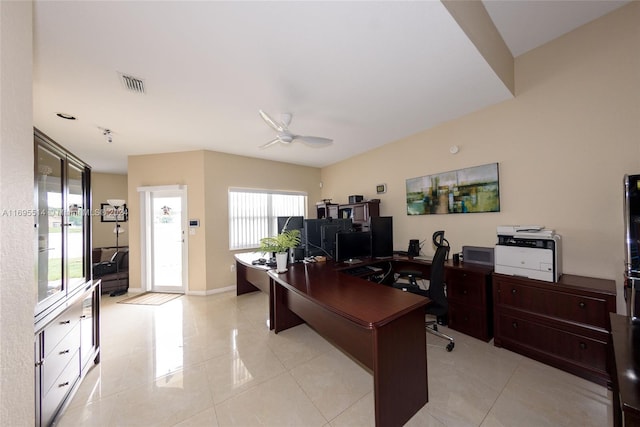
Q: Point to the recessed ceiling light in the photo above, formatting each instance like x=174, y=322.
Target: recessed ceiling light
x=66, y=116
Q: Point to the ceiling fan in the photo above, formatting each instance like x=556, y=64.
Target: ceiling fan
x=284, y=134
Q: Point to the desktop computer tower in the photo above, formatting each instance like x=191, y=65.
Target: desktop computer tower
x=381, y=228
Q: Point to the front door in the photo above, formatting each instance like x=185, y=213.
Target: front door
x=165, y=239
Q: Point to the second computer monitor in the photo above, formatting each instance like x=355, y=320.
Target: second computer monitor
x=381, y=236
x=319, y=235
x=353, y=247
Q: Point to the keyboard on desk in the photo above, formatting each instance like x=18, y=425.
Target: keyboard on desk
x=362, y=270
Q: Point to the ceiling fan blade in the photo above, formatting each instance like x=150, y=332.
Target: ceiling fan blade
x=270, y=143
x=271, y=122
x=313, y=140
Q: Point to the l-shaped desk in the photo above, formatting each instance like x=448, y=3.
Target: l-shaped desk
x=377, y=325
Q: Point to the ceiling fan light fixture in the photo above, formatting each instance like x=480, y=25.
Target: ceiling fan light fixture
x=285, y=136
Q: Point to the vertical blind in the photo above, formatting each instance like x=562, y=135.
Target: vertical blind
x=253, y=214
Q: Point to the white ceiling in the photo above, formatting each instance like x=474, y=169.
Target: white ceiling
x=362, y=73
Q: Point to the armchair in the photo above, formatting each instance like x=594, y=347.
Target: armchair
x=112, y=268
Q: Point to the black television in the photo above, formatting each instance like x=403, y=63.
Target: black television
x=319, y=235
x=352, y=246
x=381, y=228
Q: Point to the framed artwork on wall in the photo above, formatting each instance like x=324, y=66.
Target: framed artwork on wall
x=108, y=213
x=469, y=190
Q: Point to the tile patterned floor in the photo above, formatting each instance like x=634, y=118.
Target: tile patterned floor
x=211, y=361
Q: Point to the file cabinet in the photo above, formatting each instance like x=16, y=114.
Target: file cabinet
x=470, y=300
x=564, y=324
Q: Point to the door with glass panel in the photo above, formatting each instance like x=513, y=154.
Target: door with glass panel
x=49, y=179
x=165, y=238
x=62, y=224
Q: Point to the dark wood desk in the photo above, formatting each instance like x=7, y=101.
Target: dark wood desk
x=626, y=371
x=377, y=325
x=469, y=288
x=252, y=278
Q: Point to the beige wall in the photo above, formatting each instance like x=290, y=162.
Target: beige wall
x=208, y=176
x=106, y=186
x=225, y=170
x=168, y=169
x=563, y=145
x=18, y=288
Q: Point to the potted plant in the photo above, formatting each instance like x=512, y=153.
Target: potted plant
x=280, y=245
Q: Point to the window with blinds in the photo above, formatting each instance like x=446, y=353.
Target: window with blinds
x=253, y=214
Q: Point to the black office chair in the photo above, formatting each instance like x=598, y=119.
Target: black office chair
x=436, y=292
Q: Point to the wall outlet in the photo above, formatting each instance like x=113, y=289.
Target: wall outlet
x=232, y=267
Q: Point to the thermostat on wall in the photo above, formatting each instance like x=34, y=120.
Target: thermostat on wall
x=194, y=223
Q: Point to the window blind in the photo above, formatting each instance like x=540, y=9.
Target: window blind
x=253, y=214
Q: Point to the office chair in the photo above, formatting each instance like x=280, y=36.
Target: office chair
x=436, y=293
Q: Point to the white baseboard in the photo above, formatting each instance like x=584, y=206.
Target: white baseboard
x=211, y=291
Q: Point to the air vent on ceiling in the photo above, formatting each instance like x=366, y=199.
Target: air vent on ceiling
x=131, y=83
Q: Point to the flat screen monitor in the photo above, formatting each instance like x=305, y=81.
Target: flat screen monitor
x=352, y=247
x=328, y=234
x=381, y=236
x=319, y=235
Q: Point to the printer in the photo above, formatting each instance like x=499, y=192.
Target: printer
x=528, y=251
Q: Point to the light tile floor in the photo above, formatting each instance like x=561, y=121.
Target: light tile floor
x=211, y=361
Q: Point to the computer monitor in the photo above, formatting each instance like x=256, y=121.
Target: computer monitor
x=381, y=236
x=319, y=235
x=352, y=246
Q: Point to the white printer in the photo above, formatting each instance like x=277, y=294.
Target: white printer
x=528, y=251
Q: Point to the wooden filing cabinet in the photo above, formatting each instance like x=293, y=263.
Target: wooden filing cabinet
x=66, y=346
x=564, y=324
x=470, y=299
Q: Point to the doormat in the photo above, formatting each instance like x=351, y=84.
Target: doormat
x=150, y=298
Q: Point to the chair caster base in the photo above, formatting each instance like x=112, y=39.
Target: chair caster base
x=450, y=346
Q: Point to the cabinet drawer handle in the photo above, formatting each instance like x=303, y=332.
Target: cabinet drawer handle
x=464, y=292
x=515, y=325
x=64, y=351
x=582, y=304
x=466, y=318
x=583, y=346
x=65, y=322
x=513, y=291
x=64, y=384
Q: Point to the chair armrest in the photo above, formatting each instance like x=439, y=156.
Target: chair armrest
x=102, y=268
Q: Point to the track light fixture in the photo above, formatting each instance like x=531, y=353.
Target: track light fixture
x=107, y=135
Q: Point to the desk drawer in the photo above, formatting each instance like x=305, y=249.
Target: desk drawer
x=469, y=320
x=567, y=306
x=60, y=356
x=60, y=388
x=466, y=287
x=61, y=326
x=552, y=342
